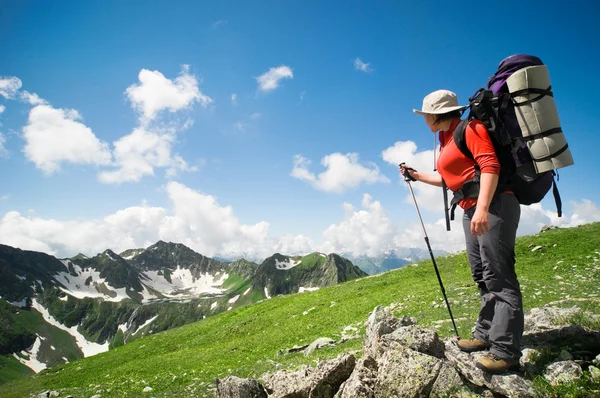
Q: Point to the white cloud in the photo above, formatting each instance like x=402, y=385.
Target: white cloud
x=255, y=116
x=199, y=221
x=195, y=219
x=137, y=154
x=439, y=238
x=584, y=212
x=360, y=65
x=155, y=93
x=54, y=136
x=9, y=86
x=428, y=197
x=32, y=98
x=368, y=231
x=240, y=126
x=149, y=146
x=343, y=172
x=3, y=151
x=234, y=99
x=270, y=80
x=219, y=23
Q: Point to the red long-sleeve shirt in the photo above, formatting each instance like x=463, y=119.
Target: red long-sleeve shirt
x=456, y=168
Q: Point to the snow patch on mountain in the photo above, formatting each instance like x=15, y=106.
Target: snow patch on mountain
x=20, y=304
x=88, y=348
x=148, y=322
x=87, y=284
x=184, y=284
x=285, y=265
x=146, y=294
x=123, y=327
x=106, y=253
x=307, y=289
x=32, y=362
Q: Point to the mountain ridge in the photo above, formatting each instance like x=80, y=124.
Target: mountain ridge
x=106, y=300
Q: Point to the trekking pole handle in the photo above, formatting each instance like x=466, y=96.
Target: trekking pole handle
x=405, y=172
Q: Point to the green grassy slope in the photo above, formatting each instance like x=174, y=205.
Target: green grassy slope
x=246, y=341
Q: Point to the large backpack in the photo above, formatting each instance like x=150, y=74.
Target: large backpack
x=518, y=109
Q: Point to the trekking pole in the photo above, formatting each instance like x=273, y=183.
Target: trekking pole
x=408, y=178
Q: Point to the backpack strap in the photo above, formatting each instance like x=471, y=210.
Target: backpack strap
x=460, y=138
x=470, y=189
x=557, y=198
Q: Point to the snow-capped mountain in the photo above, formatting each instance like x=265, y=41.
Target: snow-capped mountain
x=117, y=298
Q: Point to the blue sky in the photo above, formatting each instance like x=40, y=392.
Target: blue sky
x=207, y=123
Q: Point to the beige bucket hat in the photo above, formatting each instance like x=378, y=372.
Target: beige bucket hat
x=439, y=102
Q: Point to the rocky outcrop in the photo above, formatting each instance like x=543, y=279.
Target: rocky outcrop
x=402, y=359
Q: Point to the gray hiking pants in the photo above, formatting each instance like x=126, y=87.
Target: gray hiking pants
x=492, y=260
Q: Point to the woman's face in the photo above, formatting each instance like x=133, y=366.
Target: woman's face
x=430, y=121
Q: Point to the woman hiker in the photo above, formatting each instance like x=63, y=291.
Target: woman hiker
x=490, y=223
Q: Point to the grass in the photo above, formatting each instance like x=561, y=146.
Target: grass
x=246, y=341
x=12, y=369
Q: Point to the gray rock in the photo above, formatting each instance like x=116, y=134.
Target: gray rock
x=406, y=373
x=297, y=348
x=361, y=381
x=510, y=384
x=576, y=337
x=322, y=382
x=235, y=387
x=596, y=360
x=564, y=356
x=527, y=361
x=329, y=375
x=282, y=384
x=317, y=344
x=562, y=372
x=448, y=383
x=380, y=322
x=416, y=338
x=464, y=363
x=594, y=373
x=545, y=318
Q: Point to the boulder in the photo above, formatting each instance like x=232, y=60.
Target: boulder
x=416, y=338
x=235, y=387
x=406, y=373
x=562, y=372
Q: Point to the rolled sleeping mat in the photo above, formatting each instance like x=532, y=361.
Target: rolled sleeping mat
x=538, y=118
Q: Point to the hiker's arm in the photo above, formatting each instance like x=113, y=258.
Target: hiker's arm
x=428, y=178
x=487, y=188
x=480, y=145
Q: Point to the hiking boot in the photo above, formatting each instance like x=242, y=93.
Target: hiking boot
x=472, y=345
x=493, y=364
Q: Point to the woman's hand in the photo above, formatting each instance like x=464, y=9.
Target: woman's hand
x=480, y=223
x=405, y=170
